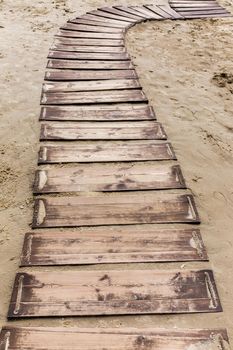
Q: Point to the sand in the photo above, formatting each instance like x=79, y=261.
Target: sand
x=186, y=71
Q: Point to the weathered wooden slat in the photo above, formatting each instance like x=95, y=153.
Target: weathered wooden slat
x=112, y=245
x=106, y=151
x=91, y=28
x=96, y=21
x=88, y=42
x=116, y=208
x=216, y=15
x=114, y=112
x=146, y=12
x=59, y=98
x=72, y=75
x=79, y=64
x=158, y=11
x=82, y=293
x=142, y=130
x=92, y=85
x=204, y=12
x=24, y=338
x=89, y=49
x=188, y=9
x=89, y=55
x=130, y=10
x=108, y=177
x=121, y=13
x=103, y=15
x=193, y=6
x=90, y=35
x=165, y=11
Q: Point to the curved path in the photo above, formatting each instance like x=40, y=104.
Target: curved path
x=106, y=166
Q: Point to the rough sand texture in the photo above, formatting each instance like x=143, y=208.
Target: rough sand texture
x=177, y=62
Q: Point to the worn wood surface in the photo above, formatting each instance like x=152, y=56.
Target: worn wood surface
x=121, y=13
x=164, y=11
x=88, y=42
x=108, y=177
x=93, y=85
x=89, y=49
x=105, y=151
x=91, y=28
x=89, y=55
x=110, y=96
x=112, y=245
x=142, y=130
x=146, y=12
x=104, y=14
x=83, y=293
x=114, y=112
x=91, y=64
x=72, y=338
x=116, y=208
x=130, y=10
x=96, y=21
x=90, y=35
x=70, y=75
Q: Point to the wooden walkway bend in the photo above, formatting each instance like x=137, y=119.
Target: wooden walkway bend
x=107, y=169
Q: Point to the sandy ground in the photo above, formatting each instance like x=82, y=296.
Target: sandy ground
x=186, y=71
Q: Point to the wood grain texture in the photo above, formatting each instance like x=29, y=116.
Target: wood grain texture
x=89, y=35
x=114, y=112
x=91, y=64
x=69, y=55
x=86, y=97
x=116, y=208
x=105, y=151
x=146, y=12
x=68, y=131
x=73, y=338
x=86, y=293
x=93, y=20
x=164, y=11
x=112, y=245
x=104, y=14
x=93, y=85
x=88, y=42
x=72, y=75
x=91, y=28
x=89, y=49
x=121, y=13
x=130, y=10
x=108, y=177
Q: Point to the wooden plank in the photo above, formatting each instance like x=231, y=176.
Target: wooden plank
x=108, y=177
x=204, y=12
x=106, y=151
x=88, y=42
x=89, y=55
x=146, y=12
x=188, y=9
x=68, y=131
x=121, y=13
x=217, y=15
x=103, y=15
x=89, y=49
x=114, y=112
x=92, y=85
x=84, y=293
x=72, y=338
x=59, y=98
x=81, y=64
x=91, y=28
x=95, y=21
x=90, y=35
x=194, y=6
x=112, y=245
x=158, y=11
x=115, y=208
x=64, y=75
x=130, y=10
x=165, y=11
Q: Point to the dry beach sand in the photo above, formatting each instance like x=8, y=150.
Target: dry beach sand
x=186, y=70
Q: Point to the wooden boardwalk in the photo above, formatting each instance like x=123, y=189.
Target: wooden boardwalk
x=105, y=164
